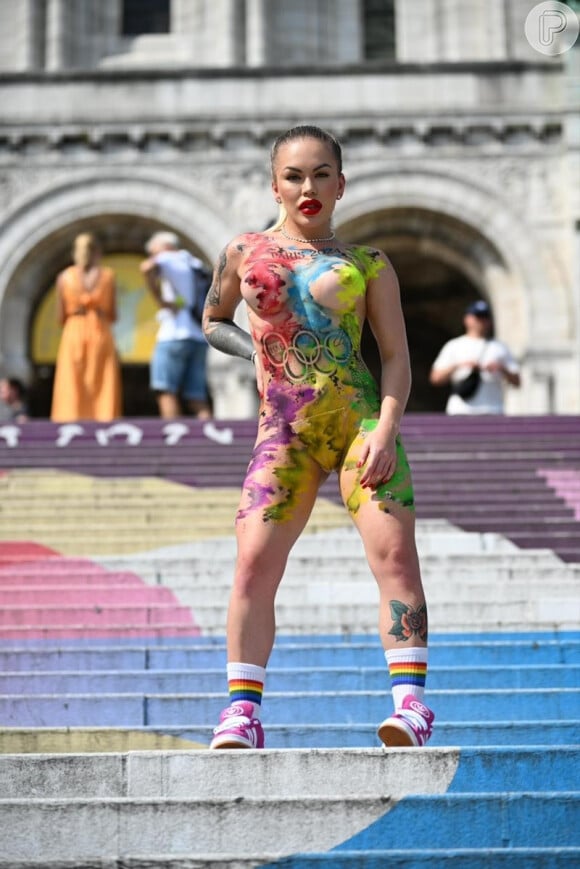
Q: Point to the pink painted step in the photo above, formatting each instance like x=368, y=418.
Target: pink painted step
x=18, y=551
x=67, y=579
x=52, y=564
x=44, y=595
x=566, y=484
x=97, y=615
x=92, y=596
x=23, y=633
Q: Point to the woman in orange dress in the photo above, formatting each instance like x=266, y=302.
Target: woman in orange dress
x=87, y=382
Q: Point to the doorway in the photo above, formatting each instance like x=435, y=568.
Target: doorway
x=436, y=261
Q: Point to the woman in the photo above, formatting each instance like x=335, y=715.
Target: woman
x=307, y=295
x=87, y=382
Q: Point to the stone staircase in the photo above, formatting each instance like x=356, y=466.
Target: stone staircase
x=518, y=476
x=114, y=577
x=357, y=807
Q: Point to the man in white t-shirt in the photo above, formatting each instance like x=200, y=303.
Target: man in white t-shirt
x=178, y=366
x=476, y=349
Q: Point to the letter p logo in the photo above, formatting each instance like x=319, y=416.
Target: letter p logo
x=552, y=28
x=551, y=23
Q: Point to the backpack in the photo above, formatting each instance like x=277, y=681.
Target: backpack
x=201, y=283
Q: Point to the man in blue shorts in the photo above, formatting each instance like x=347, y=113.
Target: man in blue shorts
x=178, y=366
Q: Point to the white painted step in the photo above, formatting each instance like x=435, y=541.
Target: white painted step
x=282, y=774
x=301, y=792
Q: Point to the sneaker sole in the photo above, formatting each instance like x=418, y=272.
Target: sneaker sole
x=396, y=735
x=229, y=742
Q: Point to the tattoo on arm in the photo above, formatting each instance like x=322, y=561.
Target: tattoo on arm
x=408, y=621
x=221, y=332
x=214, y=294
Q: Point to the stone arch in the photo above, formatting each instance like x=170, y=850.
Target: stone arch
x=507, y=256
x=37, y=234
x=451, y=220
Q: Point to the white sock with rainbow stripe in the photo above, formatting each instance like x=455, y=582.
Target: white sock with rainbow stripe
x=408, y=671
x=246, y=682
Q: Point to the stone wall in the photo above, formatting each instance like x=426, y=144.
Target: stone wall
x=465, y=164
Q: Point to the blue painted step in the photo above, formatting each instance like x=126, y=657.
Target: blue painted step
x=132, y=709
x=357, y=735
x=294, y=652
x=436, y=821
x=487, y=858
x=475, y=820
x=484, y=858
x=369, y=706
x=286, y=680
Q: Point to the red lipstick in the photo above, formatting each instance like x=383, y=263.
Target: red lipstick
x=310, y=206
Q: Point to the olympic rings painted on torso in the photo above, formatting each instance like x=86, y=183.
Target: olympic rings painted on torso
x=325, y=353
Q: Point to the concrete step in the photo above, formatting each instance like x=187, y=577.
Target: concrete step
x=457, y=858
x=109, y=613
x=65, y=577
x=206, y=471
x=199, y=590
x=186, y=572
x=37, y=528
x=77, y=633
x=292, y=735
x=289, y=653
x=251, y=824
x=342, y=589
x=124, y=594
x=283, y=774
x=214, y=630
x=183, y=574
x=318, y=541
x=158, y=569
x=195, y=593
x=313, y=679
x=511, y=523
x=561, y=613
x=457, y=546
x=159, y=513
x=115, y=496
x=150, y=460
x=139, y=708
x=187, y=559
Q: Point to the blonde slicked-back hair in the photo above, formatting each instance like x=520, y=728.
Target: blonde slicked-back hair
x=84, y=247
x=303, y=131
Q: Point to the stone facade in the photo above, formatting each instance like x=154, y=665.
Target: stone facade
x=461, y=155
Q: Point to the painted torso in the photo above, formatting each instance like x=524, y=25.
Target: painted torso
x=306, y=309
x=306, y=312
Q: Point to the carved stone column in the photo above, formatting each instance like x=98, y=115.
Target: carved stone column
x=256, y=32
x=56, y=53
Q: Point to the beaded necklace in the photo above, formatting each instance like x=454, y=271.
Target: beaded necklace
x=305, y=240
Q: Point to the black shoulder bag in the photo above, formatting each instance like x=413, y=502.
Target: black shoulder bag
x=468, y=386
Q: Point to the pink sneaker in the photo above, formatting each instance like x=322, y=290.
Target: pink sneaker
x=238, y=728
x=411, y=725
